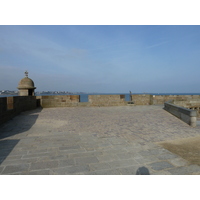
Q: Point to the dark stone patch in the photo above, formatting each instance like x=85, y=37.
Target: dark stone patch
x=161, y=165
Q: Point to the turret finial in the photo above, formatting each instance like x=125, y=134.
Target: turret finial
x=26, y=74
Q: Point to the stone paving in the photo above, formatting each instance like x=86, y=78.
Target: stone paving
x=93, y=141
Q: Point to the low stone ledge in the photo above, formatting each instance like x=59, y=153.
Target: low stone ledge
x=186, y=115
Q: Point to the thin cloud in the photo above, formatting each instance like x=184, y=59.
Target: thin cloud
x=156, y=45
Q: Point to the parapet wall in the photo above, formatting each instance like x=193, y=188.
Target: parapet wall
x=186, y=115
x=74, y=100
x=193, y=104
x=146, y=99
x=106, y=100
x=12, y=106
x=142, y=99
x=58, y=101
x=109, y=100
x=161, y=99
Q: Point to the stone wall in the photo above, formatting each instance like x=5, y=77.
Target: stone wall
x=107, y=100
x=161, y=99
x=186, y=115
x=58, y=101
x=12, y=106
x=193, y=104
x=146, y=99
x=74, y=100
x=142, y=99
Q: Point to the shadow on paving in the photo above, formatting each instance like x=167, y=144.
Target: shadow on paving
x=24, y=122
x=6, y=146
x=142, y=171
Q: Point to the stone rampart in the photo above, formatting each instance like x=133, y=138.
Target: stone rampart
x=147, y=99
x=161, y=99
x=193, y=104
x=186, y=115
x=142, y=99
x=107, y=100
x=12, y=106
x=74, y=100
x=58, y=101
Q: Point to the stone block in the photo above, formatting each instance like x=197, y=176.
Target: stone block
x=44, y=165
x=99, y=166
x=15, y=168
x=161, y=165
x=86, y=160
x=71, y=170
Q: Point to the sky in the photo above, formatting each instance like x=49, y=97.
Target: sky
x=105, y=59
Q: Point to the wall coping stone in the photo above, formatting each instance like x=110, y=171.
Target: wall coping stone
x=191, y=113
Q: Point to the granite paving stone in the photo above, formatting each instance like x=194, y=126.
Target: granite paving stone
x=158, y=151
x=179, y=170
x=125, y=156
x=9, y=169
x=72, y=150
x=107, y=157
x=12, y=158
x=37, y=151
x=99, y=166
x=185, y=170
x=37, y=155
x=63, y=148
x=85, y=160
x=37, y=172
x=71, y=170
x=166, y=156
x=43, y=165
x=85, y=154
x=122, y=163
x=18, y=161
x=162, y=172
x=129, y=170
x=93, y=140
x=104, y=172
x=66, y=162
x=178, y=162
x=161, y=165
x=145, y=159
x=1, y=168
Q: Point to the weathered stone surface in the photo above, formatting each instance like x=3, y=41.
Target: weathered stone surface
x=104, y=172
x=106, y=100
x=1, y=168
x=44, y=165
x=71, y=170
x=99, y=166
x=93, y=140
x=161, y=165
x=86, y=160
x=15, y=168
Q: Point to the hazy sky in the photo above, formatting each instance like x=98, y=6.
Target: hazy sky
x=110, y=59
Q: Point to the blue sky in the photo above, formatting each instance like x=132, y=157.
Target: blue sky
x=110, y=59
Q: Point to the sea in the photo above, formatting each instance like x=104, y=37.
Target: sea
x=84, y=96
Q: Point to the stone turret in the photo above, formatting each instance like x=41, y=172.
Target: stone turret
x=26, y=86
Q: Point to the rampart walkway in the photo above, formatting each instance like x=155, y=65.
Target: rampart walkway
x=94, y=140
